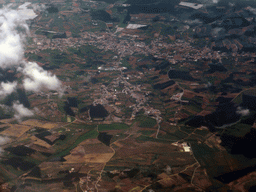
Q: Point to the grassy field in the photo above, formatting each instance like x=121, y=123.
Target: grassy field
x=147, y=132
x=238, y=130
x=148, y=122
x=239, y=99
x=169, y=137
x=114, y=126
x=80, y=126
x=187, y=129
x=147, y=138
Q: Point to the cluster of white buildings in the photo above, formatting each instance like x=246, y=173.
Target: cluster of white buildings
x=183, y=145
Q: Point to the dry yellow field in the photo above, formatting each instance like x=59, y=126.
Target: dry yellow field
x=118, y=144
x=15, y=130
x=49, y=166
x=6, y=120
x=40, y=142
x=163, y=176
x=89, y=158
x=41, y=124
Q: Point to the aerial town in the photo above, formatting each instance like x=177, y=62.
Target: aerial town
x=127, y=96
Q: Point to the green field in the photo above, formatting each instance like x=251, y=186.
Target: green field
x=114, y=126
x=88, y=135
x=147, y=132
x=148, y=122
x=147, y=138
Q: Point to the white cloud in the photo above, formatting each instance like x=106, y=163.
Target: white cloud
x=39, y=79
x=3, y=140
x=38, y=7
x=243, y=112
x=7, y=88
x=11, y=41
x=13, y=30
x=21, y=111
x=12, y=54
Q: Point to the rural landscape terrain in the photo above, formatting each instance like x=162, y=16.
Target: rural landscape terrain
x=127, y=95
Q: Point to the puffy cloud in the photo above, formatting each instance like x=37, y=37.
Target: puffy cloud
x=38, y=79
x=13, y=30
x=243, y=112
x=3, y=140
x=7, y=88
x=11, y=39
x=21, y=111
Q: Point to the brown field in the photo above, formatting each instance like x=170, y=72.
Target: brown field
x=90, y=141
x=118, y=144
x=163, y=176
x=91, y=166
x=89, y=158
x=40, y=148
x=40, y=142
x=189, y=94
x=204, y=113
x=90, y=151
x=38, y=156
x=48, y=166
x=42, y=124
x=50, y=187
x=95, y=148
x=16, y=130
x=53, y=168
x=3, y=125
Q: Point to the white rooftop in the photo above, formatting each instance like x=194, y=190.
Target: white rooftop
x=135, y=26
x=191, y=5
x=187, y=149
